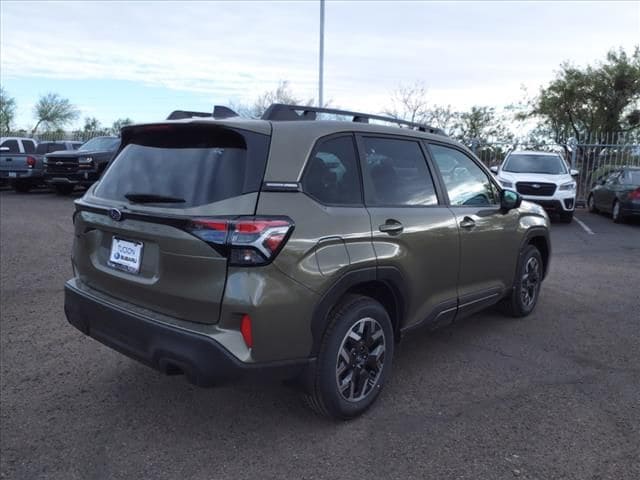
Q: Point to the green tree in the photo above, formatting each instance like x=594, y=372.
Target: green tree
x=53, y=111
x=481, y=124
x=7, y=110
x=91, y=125
x=119, y=123
x=602, y=98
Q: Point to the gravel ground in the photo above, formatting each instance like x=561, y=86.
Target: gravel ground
x=555, y=395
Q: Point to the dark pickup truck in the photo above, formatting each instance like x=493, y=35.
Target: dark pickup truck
x=22, y=166
x=64, y=170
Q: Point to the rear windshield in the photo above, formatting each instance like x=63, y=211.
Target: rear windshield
x=522, y=163
x=101, y=144
x=48, y=147
x=632, y=177
x=198, y=164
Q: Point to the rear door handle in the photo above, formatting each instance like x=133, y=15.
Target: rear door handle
x=467, y=222
x=391, y=227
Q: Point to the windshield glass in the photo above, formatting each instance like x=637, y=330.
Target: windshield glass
x=523, y=163
x=191, y=165
x=632, y=177
x=101, y=143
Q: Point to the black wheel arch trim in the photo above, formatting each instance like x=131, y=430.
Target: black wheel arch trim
x=390, y=276
x=538, y=232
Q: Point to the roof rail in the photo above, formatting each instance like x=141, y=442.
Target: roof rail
x=281, y=111
x=218, y=112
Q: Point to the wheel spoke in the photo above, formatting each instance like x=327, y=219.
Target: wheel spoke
x=354, y=336
x=344, y=354
x=346, y=381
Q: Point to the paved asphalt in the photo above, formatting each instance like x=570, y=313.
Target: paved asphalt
x=555, y=395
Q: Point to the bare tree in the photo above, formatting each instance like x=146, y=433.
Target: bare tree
x=282, y=94
x=53, y=111
x=409, y=102
x=443, y=117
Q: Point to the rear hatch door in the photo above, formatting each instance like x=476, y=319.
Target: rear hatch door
x=14, y=163
x=132, y=229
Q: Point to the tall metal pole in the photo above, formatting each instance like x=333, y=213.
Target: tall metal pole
x=321, y=69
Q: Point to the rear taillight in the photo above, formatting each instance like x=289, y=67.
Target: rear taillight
x=248, y=241
x=635, y=195
x=31, y=162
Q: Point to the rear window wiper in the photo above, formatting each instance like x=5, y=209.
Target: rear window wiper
x=152, y=198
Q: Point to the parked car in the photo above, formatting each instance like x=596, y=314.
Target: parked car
x=617, y=193
x=10, y=146
x=64, y=170
x=540, y=177
x=22, y=164
x=224, y=248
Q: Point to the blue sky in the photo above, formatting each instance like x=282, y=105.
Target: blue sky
x=143, y=59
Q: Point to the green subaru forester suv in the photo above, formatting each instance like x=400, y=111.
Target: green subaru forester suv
x=224, y=248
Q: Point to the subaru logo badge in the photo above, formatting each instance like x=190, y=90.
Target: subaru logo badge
x=115, y=214
x=535, y=185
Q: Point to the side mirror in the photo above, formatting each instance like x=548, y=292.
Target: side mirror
x=494, y=168
x=574, y=172
x=4, y=149
x=510, y=200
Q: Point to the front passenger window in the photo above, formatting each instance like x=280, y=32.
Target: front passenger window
x=467, y=184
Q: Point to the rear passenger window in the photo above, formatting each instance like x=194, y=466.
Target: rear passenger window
x=332, y=175
x=397, y=173
x=29, y=146
x=12, y=145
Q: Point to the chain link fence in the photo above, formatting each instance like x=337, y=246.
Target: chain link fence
x=593, y=156
x=74, y=136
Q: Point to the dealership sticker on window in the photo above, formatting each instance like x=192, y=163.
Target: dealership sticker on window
x=125, y=255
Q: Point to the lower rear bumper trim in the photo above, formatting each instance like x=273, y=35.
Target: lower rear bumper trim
x=163, y=347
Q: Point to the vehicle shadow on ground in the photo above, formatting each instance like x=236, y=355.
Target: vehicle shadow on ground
x=39, y=191
x=125, y=385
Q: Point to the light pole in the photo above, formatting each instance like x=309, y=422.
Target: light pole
x=321, y=66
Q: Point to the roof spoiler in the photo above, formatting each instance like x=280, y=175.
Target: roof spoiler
x=218, y=112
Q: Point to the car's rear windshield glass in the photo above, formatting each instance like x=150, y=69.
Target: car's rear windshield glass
x=44, y=148
x=522, y=163
x=100, y=143
x=633, y=177
x=196, y=164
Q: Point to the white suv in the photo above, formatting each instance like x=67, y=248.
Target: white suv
x=540, y=177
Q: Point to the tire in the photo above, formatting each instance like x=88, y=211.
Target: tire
x=616, y=213
x=22, y=186
x=591, y=204
x=63, y=189
x=368, y=358
x=528, y=277
x=566, y=217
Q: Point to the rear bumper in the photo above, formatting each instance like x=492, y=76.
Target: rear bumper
x=165, y=347
x=30, y=174
x=630, y=209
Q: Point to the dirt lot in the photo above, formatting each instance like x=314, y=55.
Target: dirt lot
x=555, y=395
